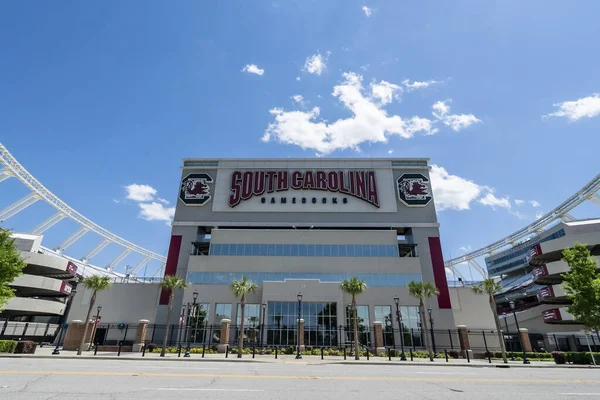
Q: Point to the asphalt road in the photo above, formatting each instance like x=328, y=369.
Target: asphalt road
x=119, y=379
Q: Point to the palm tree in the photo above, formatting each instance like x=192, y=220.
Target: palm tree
x=423, y=291
x=170, y=282
x=95, y=283
x=490, y=287
x=240, y=289
x=354, y=287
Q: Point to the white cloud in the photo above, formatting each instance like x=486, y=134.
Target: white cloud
x=156, y=212
x=315, y=64
x=390, y=151
x=534, y=203
x=385, y=92
x=586, y=107
x=441, y=110
x=297, y=78
x=364, y=67
x=116, y=201
x=418, y=85
x=367, y=11
x=369, y=121
x=298, y=99
x=491, y=200
x=253, y=69
x=452, y=191
x=519, y=202
x=137, y=192
x=164, y=201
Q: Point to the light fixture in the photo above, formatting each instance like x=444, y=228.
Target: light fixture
x=299, y=296
x=195, y=295
x=396, y=300
x=99, y=308
x=512, y=305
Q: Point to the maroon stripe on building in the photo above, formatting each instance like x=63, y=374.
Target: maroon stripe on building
x=171, y=266
x=439, y=272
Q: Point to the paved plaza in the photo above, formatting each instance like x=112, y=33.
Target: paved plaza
x=287, y=378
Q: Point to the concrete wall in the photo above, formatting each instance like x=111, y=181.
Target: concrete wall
x=123, y=303
x=470, y=309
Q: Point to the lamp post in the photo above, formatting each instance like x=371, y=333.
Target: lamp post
x=187, y=349
x=512, y=353
x=262, y=329
x=399, y=318
x=181, y=321
x=298, y=355
x=512, y=307
x=435, y=354
x=95, y=327
x=350, y=328
x=65, y=320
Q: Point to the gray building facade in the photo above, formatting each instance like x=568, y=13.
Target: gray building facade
x=302, y=226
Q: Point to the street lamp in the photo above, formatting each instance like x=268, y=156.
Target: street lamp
x=512, y=353
x=95, y=327
x=262, y=329
x=298, y=355
x=65, y=320
x=187, y=349
x=399, y=318
x=181, y=322
x=435, y=354
x=512, y=307
x=350, y=337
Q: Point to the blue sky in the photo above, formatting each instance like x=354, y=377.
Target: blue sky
x=501, y=96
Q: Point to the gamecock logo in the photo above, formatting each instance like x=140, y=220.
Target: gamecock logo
x=413, y=190
x=194, y=189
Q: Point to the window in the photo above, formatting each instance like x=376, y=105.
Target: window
x=251, y=323
x=320, y=323
x=383, y=314
x=198, y=322
x=303, y=250
x=222, y=311
x=364, y=324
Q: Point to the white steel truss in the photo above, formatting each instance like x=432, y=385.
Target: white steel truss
x=160, y=271
x=94, y=252
x=18, y=171
x=72, y=239
x=18, y=206
x=47, y=224
x=4, y=174
x=117, y=260
x=588, y=192
x=136, y=269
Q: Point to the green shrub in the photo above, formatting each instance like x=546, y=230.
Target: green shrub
x=151, y=347
x=454, y=354
x=580, y=358
x=8, y=346
x=26, y=347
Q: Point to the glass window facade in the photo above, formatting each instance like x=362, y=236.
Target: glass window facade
x=411, y=326
x=222, y=311
x=383, y=314
x=320, y=323
x=251, y=323
x=303, y=250
x=225, y=278
x=364, y=325
x=198, y=323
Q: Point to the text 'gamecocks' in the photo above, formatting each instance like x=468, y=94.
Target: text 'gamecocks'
x=359, y=184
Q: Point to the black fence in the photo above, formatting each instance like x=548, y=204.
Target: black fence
x=35, y=331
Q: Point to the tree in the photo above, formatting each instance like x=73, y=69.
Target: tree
x=170, y=283
x=490, y=287
x=354, y=286
x=582, y=285
x=423, y=291
x=11, y=266
x=95, y=283
x=240, y=289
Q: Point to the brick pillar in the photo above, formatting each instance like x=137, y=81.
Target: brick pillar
x=301, y=333
x=74, y=334
x=463, y=338
x=524, y=333
x=378, y=337
x=222, y=347
x=140, y=335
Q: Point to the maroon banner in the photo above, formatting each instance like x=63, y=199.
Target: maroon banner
x=552, y=315
x=65, y=288
x=171, y=266
x=439, y=272
x=71, y=268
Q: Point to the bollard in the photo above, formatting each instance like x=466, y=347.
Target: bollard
x=487, y=351
x=227, y=352
x=203, y=349
x=276, y=348
x=344, y=352
x=389, y=354
x=468, y=358
x=253, y=351
x=489, y=357
x=95, y=348
x=411, y=355
x=144, y=350
x=367, y=354
x=322, y=350
x=179, y=350
x=446, y=353
x=119, y=353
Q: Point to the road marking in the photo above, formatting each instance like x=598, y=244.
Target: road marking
x=314, y=377
x=445, y=373
x=581, y=394
x=208, y=390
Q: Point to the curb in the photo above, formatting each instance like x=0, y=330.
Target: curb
x=136, y=359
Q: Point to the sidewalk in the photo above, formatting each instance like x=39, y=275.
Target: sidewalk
x=46, y=352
